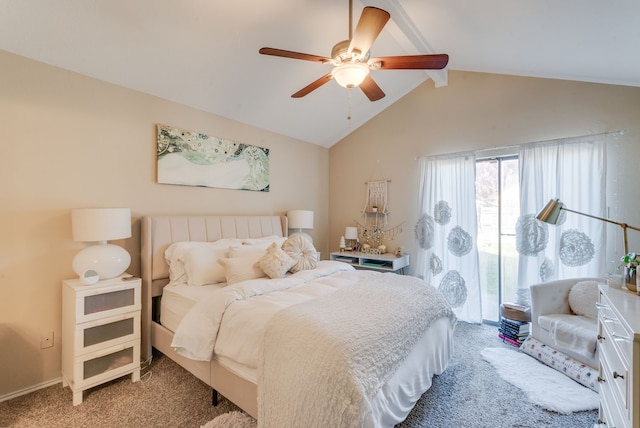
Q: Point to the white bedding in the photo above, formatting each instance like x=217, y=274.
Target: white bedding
x=177, y=301
x=206, y=331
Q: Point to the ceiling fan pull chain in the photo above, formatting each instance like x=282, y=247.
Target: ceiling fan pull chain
x=349, y=106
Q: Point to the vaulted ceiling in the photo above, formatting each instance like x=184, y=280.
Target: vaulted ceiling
x=204, y=53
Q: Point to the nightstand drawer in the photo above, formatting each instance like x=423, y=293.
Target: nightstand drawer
x=95, y=335
x=99, y=366
x=99, y=302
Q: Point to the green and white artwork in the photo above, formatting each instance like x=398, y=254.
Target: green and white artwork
x=194, y=159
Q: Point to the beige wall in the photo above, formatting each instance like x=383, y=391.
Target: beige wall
x=70, y=141
x=481, y=111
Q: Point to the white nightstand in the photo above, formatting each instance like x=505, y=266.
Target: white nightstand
x=380, y=262
x=100, y=332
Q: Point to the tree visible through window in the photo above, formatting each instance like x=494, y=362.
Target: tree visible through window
x=497, y=204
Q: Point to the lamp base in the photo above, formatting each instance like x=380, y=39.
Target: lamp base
x=108, y=260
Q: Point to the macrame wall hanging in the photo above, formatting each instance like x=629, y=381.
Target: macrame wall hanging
x=373, y=233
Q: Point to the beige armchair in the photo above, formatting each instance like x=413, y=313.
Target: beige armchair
x=556, y=324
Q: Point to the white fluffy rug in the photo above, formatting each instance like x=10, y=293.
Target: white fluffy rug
x=232, y=420
x=543, y=385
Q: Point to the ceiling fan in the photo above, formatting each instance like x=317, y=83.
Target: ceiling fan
x=351, y=61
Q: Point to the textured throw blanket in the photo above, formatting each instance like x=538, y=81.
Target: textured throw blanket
x=323, y=361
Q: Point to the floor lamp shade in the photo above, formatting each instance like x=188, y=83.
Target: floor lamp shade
x=99, y=225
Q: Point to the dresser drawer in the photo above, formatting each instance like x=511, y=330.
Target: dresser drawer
x=610, y=413
x=99, y=366
x=619, y=336
x=614, y=381
x=95, y=335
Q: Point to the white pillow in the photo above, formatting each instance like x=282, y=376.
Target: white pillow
x=243, y=268
x=275, y=263
x=302, y=251
x=279, y=240
x=202, y=267
x=583, y=297
x=175, y=253
x=239, y=250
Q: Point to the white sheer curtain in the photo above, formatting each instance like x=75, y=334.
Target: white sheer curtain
x=574, y=171
x=447, y=231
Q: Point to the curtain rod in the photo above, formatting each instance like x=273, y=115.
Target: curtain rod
x=475, y=152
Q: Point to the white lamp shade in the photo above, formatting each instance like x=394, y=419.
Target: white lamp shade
x=350, y=75
x=300, y=219
x=100, y=224
x=351, y=232
x=108, y=260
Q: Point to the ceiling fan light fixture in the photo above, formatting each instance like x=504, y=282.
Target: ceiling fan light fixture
x=350, y=75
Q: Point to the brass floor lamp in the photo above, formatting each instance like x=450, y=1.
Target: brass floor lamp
x=551, y=212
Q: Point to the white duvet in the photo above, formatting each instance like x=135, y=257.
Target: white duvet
x=308, y=319
x=231, y=321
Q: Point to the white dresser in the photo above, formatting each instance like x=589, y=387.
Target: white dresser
x=100, y=332
x=619, y=355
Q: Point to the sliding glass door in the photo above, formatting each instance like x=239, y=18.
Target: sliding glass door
x=498, y=206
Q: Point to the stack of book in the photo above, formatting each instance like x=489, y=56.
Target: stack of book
x=512, y=331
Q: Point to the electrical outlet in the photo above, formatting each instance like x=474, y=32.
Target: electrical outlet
x=46, y=341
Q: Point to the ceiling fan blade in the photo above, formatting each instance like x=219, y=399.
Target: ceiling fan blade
x=411, y=62
x=294, y=55
x=371, y=89
x=371, y=23
x=312, y=86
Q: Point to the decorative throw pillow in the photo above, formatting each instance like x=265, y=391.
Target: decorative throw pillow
x=583, y=297
x=275, y=263
x=302, y=251
x=239, y=269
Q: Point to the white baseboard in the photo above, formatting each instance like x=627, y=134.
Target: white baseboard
x=30, y=389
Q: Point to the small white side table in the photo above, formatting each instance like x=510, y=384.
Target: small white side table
x=380, y=262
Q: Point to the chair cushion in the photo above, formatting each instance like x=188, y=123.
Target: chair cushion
x=575, y=332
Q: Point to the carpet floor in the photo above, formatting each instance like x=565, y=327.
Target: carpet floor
x=468, y=394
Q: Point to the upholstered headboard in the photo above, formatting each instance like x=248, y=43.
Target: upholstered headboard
x=158, y=232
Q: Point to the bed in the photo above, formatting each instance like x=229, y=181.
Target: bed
x=282, y=335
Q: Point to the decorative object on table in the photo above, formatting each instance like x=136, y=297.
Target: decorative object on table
x=100, y=260
x=630, y=262
x=551, y=213
x=399, y=252
x=374, y=209
x=342, y=243
x=614, y=280
x=195, y=159
x=382, y=248
x=299, y=220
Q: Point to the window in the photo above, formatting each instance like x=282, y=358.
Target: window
x=498, y=208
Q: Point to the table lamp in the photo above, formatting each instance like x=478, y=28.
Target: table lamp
x=351, y=237
x=100, y=260
x=299, y=220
